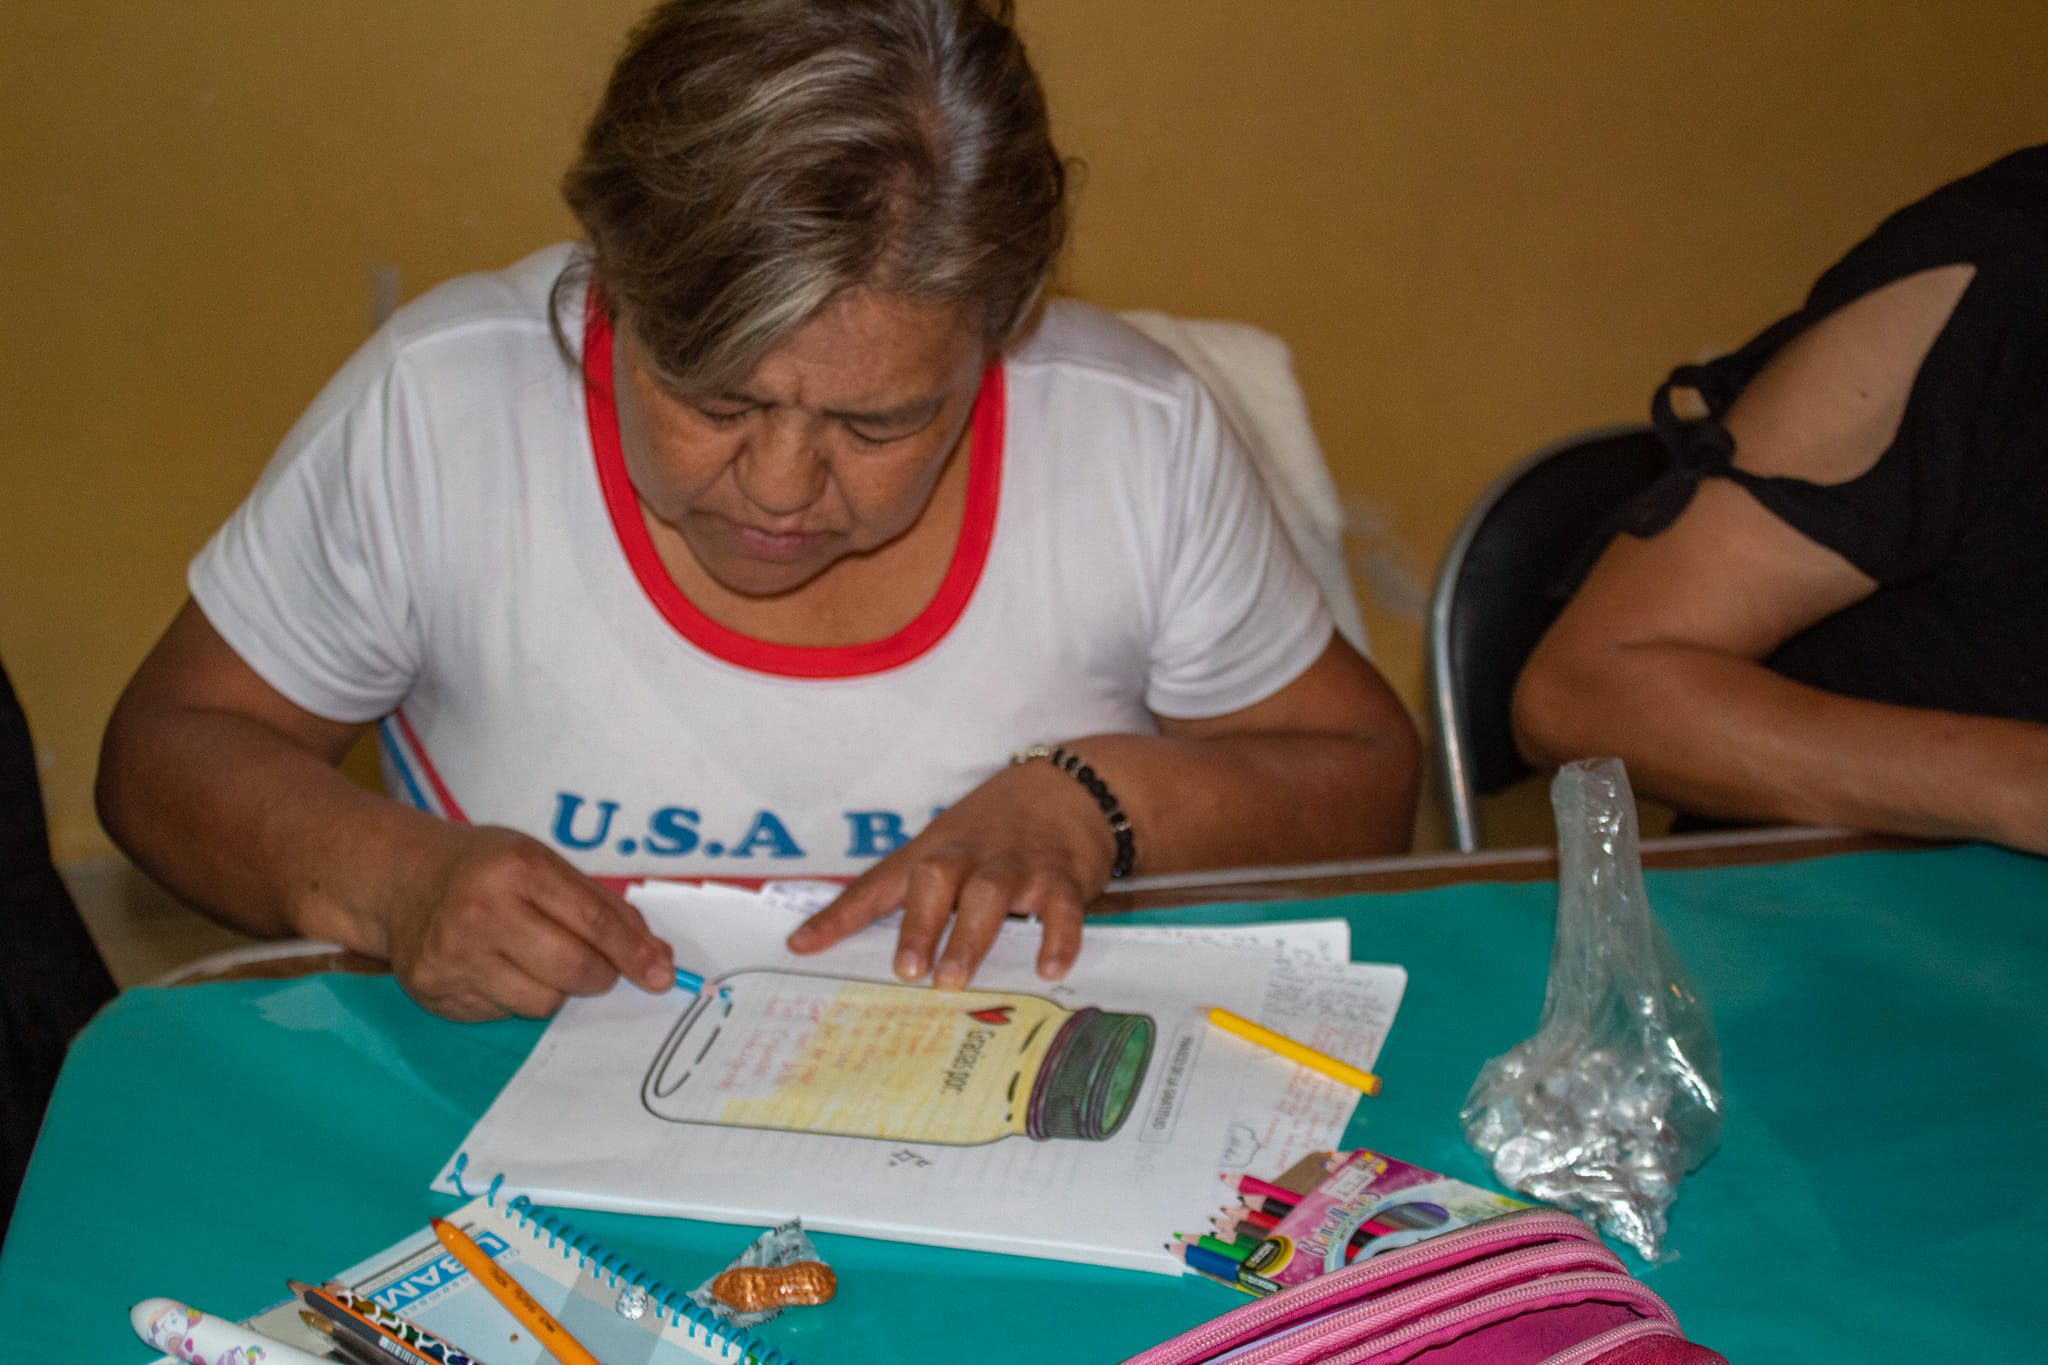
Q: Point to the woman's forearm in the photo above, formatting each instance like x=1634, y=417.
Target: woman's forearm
x=1325, y=768
x=245, y=824
x=1727, y=737
x=1235, y=800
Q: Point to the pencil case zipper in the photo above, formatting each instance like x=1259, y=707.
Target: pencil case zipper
x=1590, y=1351
x=1445, y=1296
x=1605, y=1286
x=1381, y=1274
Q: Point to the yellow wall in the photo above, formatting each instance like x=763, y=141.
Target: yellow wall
x=1480, y=225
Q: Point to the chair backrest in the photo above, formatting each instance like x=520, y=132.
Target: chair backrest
x=1500, y=588
x=1250, y=374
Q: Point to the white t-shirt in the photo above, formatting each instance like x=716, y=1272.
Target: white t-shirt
x=447, y=544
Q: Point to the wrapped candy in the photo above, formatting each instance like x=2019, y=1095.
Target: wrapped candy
x=779, y=1269
x=760, y=1288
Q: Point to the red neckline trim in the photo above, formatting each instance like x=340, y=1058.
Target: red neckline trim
x=927, y=628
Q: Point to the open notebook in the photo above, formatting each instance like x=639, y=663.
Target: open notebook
x=620, y=1314
x=1083, y=1119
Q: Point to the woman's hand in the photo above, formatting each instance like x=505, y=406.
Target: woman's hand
x=495, y=923
x=1028, y=841
x=228, y=793
x=1324, y=768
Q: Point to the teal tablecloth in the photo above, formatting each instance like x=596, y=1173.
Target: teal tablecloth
x=1876, y=1195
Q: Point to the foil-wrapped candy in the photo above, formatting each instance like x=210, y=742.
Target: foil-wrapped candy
x=763, y=1288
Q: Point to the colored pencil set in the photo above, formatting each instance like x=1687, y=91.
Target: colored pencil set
x=1235, y=1233
x=1328, y=1211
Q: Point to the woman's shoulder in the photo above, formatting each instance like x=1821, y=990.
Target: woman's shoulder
x=479, y=334
x=1995, y=218
x=1077, y=343
x=517, y=298
x=479, y=329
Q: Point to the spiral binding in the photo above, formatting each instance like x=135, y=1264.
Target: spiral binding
x=617, y=1272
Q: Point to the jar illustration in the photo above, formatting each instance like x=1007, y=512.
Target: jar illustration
x=824, y=1054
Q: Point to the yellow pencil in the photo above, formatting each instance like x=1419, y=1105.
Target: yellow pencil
x=1293, y=1051
x=517, y=1301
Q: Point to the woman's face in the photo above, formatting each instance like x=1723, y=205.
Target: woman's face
x=831, y=448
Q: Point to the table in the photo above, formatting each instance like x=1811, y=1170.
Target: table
x=1881, y=1019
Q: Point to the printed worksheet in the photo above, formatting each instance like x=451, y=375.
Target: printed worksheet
x=1083, y=1119
x=1317, y=996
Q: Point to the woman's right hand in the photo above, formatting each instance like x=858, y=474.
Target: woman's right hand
x=490, y=922
x=227, y=792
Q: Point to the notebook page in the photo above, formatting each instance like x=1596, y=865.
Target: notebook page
x=419, y=1280
x=626, y=1102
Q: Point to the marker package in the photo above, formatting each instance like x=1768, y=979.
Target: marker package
x=1360, y=1204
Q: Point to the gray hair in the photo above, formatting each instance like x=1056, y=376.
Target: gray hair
x=752, y=159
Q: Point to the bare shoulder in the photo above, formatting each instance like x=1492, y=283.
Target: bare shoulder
x=1731, y=575
x=1830, y=402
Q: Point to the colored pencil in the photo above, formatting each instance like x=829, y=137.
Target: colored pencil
x=1252, y=1188
x=551, y=1335
x=1233, y=1229
x=1364, y=1233
x=1259, y=1218
x=1251, y=1223
x=1221, y=1246
x=1204, y=1261
x=1300, y=1053
x=693, y=983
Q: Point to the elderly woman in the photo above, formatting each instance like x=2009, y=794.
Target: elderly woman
x=779, y=529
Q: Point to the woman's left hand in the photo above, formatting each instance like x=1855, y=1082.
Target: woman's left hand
x=1028, y=841
x=1199, y=793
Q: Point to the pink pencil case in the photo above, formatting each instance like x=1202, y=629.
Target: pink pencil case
x=1534, y=1287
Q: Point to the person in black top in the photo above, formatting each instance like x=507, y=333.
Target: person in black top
x=51, y=975
x=1834, y=608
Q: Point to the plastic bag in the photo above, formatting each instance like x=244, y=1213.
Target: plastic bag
x=1618, y=1094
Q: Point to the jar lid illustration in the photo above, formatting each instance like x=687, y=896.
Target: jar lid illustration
x=1089, y=1080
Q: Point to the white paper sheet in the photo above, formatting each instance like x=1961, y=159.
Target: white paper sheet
x=1315, y=995
x=593, y=1120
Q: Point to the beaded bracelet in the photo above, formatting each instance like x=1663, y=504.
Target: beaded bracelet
x=1119, y=823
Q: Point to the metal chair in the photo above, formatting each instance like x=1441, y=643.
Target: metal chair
x=1501, y=585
